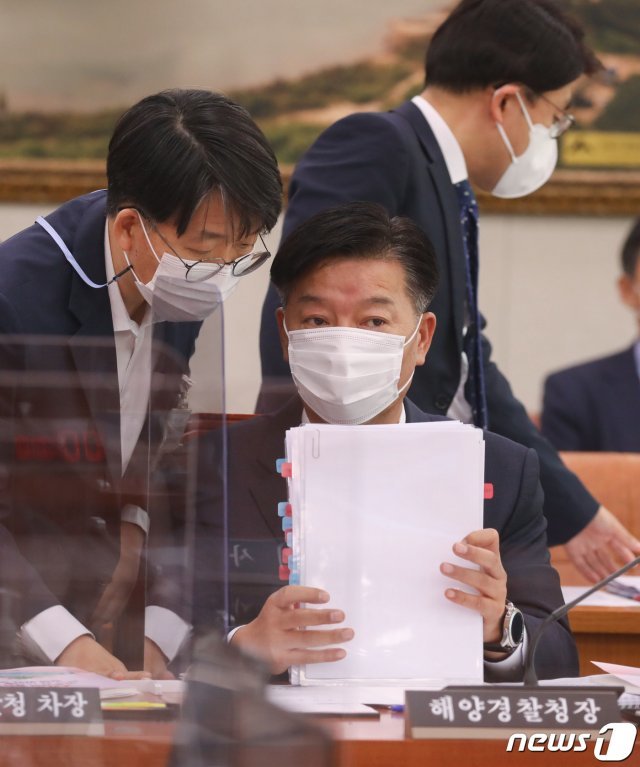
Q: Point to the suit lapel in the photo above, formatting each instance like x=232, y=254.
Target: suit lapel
x=449, y=210
x=92, y=347
x=415, y=415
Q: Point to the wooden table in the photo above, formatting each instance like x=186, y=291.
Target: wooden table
x=609, y=634
x=359, y=743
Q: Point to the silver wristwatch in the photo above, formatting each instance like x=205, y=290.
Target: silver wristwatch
x=512, y=631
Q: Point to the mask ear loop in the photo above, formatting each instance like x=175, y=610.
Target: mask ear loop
x=503, y=133
x=146, y=236
x=413, y=335
x=525, y=111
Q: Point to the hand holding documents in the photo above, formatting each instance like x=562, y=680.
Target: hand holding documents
x=374, y=513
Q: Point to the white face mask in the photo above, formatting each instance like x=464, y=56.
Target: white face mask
x=534, y=167
x=347, y=375
x=173, y=298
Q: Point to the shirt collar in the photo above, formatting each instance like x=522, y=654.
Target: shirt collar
x=119, y=314
x=448, y=143
x=403, y=416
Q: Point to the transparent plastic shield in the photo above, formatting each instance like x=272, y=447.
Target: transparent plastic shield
x=74, y=511
x=184, y=595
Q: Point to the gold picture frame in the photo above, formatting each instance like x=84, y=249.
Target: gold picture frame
x=568, y=193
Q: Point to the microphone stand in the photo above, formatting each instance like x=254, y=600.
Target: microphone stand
x=530, y=677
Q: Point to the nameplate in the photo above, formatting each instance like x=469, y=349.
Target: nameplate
x=50, y=711
x=495, y=712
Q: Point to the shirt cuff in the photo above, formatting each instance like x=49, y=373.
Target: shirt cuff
x=511, y=668
x=166, y=629
x=44, y=637
x=230, y=635
x=136, y=516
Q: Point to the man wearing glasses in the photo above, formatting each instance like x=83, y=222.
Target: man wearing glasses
x=500, y=75
x=101, y=284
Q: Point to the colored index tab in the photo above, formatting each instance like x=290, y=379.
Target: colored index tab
x=286, y=553
x=287, y=523
x=286, y=469
x=279, y=464
x=283, y=573
x=488, y=491
x=284, y=509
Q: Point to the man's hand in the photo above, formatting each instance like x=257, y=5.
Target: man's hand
x=155, y=661
x=280, y=634
x=114, y=597
x=481, y=547
x=602, y=546
x=85, y=653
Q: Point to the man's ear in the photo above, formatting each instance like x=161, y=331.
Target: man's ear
x=123, y=228
x=284, y=341
x=628, y=293
x=425, y=336
x=501, y=98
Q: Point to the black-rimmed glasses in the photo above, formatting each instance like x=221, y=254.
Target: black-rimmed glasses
x=201, y=270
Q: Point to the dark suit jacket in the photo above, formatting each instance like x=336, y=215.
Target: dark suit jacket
x=594, y=406
x=393, y=159
x=62, y=489
x=255, y=533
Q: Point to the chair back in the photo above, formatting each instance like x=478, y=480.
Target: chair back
x=612, y=478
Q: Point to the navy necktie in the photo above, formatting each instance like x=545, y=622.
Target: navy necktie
x=472, y=344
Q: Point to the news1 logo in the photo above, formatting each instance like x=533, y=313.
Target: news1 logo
x=616, y=748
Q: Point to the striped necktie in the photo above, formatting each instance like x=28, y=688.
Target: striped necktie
x=475, y=387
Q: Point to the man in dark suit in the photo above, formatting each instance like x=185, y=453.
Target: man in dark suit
x=596, y=405
x=100, y=306
x=356, y=283
x=500, y=75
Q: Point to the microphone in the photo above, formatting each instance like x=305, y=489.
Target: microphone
x=530, y=677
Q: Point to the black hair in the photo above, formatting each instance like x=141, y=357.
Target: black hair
x=631, y=250
x=492, y=42
x=172, y=149
x=360, y=230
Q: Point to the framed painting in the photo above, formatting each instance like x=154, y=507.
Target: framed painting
x=80, y=67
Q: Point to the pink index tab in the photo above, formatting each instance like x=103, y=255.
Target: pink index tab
x=286, y=553
x=284, y=509
x=283, y=573
x=286, y=469
x=488, y=491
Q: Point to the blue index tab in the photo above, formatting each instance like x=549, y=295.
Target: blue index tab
x=289, y=538
x=294, y=578
x=279, y=463
x=282, y=508
x=287, y=523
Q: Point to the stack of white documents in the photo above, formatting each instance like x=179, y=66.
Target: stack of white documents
x=374, y=512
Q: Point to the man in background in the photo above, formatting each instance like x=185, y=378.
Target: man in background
x=500, y=75
x=100, y=306
x=596, y=405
